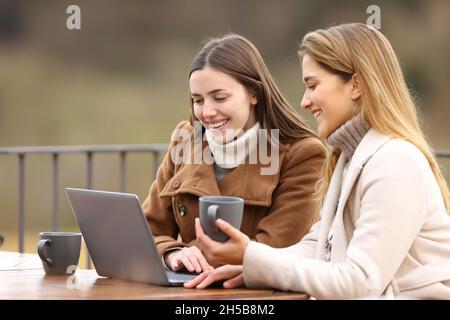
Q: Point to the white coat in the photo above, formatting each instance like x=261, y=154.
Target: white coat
x=389, y=231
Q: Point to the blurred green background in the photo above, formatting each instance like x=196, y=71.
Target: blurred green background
x=122, y=79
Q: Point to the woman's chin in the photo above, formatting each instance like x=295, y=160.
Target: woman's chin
x=323, y=134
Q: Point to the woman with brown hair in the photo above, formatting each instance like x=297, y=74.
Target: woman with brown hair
x=237, y=115
x=384, y=228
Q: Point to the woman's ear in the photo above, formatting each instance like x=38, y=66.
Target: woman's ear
x=356, y=86
x=253, y=100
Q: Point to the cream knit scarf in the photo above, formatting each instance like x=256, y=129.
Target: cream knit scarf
x=232, y=154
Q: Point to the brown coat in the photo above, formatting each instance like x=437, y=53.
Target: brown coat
x=278, y=209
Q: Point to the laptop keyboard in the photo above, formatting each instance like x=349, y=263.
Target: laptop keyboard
x=180, y=277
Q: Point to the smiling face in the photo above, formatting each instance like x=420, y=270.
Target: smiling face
x=222, y=104
x=330, y=99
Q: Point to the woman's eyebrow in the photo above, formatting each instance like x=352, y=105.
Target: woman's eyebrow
x=308, y=78
x=209, y=93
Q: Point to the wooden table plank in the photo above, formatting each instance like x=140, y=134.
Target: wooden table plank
x=22, y=277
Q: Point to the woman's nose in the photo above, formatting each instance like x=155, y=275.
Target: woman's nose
x=306, y=101
x=209, y=111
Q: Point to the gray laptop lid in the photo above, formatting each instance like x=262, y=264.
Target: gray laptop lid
x=118, y=237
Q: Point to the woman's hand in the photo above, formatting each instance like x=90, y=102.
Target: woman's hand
x=232, y=274
x=230, y=252
x=190, y=257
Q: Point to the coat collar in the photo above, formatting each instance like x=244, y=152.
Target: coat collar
x=368, y=146
x=340, y=189
x=245, y=181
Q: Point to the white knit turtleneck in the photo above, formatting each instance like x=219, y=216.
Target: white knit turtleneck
x=232, y=154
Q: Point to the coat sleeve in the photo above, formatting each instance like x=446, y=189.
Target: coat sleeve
x=392, y=211
x=307, y=247
x=295, y=206
x=158, y=210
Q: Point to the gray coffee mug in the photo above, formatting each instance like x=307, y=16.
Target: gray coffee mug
x=226, y=208
x=59, y=252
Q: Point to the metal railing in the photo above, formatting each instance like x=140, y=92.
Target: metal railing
x=442, y=153
x=21, y=152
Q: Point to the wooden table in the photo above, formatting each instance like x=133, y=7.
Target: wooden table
x=22, y=277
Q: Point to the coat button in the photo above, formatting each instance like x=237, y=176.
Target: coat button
x=181, y=210
x=176, y=184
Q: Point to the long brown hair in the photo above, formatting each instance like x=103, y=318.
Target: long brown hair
x=386, y=103
x=238, y=57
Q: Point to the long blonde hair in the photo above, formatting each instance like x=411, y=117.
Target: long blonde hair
x=386, y=103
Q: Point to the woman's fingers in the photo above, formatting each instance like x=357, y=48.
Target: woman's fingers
x=210, y=278
x=194, y=282
x=227, y=272
x=195, y=263
x=186, y=262
x=231, y=251
x=171, y=260
x=201, y=260
x=174, y=265
x=202, y=237
x=237, y=281
x=192, y=259
x=228, y=229
x=192, y=256
x=198, y=228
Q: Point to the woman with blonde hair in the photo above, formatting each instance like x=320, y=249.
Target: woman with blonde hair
x=384, y=228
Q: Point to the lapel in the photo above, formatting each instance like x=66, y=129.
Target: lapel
x=368, y=146
x=329, y=205
x=333, y=212
x=245, y=181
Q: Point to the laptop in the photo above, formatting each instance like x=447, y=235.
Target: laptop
x=119, y=239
